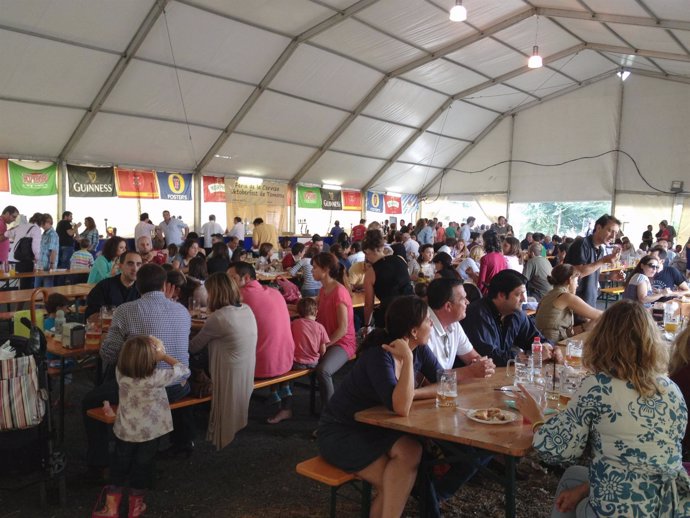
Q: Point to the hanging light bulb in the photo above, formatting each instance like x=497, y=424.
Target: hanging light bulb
x=458, y=13
x=535, y=59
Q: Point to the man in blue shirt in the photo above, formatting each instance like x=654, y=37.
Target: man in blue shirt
x=668, y=276
x=175, y=230
x=426, y=235
x=496, y=323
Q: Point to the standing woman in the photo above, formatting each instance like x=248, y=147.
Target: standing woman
x=335, y=313
x=32, y=230
x=385, y=374
x=230, y=334
x=492, y=263
x=386, y=280
x=105, y=264
x=91, y=233
x=632, y=416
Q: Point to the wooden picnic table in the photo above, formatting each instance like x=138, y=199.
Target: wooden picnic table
x=71, y=291
x=51, y=273
x=512, y=440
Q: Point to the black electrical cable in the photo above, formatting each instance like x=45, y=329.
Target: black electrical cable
x=625, y=153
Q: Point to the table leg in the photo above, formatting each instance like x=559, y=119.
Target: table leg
x=62, y=398
x=510, y=486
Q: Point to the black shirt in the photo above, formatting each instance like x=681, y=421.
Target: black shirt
x=62, y=227
x=109, y=292
x=584, y=251
x=217, y=264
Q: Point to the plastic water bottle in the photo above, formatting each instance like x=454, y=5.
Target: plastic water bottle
x=59, y=321
x=537, y=356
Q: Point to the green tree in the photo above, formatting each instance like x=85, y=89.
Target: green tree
x=562, y=218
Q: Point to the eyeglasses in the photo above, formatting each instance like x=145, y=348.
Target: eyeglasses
x=654, y=266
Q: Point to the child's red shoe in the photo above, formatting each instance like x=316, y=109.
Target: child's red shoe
x=136, y=504
x=111, y=505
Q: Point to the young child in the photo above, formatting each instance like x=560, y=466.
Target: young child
x=310, y=344
x=82, y=258
x=143, y=416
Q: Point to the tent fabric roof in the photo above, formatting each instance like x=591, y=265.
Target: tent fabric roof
x=372, y=94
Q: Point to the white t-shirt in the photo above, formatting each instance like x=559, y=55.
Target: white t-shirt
x=513, y=263
x=207, y=230
x=411, y=248
x=143, y=229
x=448, y=343
x=238, y=232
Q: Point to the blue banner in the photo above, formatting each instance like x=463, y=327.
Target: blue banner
x=175, y=186
x=374, y=202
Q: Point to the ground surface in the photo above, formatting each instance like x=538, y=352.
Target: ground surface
x=253, y=477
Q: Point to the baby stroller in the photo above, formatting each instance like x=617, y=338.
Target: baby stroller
x=27, y=433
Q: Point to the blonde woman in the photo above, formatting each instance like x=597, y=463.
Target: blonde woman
x=557, y=309
x=633, y=416
x=471, y=263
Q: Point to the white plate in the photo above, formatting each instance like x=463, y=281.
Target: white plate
x=512, y=416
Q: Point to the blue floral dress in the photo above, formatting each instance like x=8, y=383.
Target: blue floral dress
x=636, y=469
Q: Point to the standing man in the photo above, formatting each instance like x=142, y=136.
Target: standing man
x=66, y=232
x=537, y=270
x=496, y=324
x=175, y=230
x=466, y=229
x=359, y=231
x=275, y=347
x=50, y=246
x=264, y=233
x=9, y=214
x=118, y=289
x=144, y=227
x=238, y=230
x=207, y=230
x=336, y=231
x=587, y=256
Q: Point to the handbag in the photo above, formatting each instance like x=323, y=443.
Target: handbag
x=24, y=252
x=22, y=402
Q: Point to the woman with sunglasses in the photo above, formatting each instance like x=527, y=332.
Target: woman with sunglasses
x=639, y=287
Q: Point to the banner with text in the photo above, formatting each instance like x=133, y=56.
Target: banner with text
x=374, y=202
x=267, y=193
x=331, y=200
x=90, y=182
x=308, y=197
x=352, y=200
x=175, y=186
x=393, y=204
x=33, y=178
x=214, y=188
x=4, y=179
x=136, y=183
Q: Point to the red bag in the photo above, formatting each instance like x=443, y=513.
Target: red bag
x=290, y=291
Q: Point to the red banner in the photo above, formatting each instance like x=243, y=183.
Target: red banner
x=4, y=179
x=214, y=188
x=393, y=204
x=352, y=200
x=134, y=183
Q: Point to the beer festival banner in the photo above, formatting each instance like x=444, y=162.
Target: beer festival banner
x=393, y=204
x=175, y=186
x=136, y=183
x=352, y=200
x=4, y=180
x=272, y=194
x=90, y=182
x=33, y=178
x=308, y=197
x=374, y=202
x=331, y=200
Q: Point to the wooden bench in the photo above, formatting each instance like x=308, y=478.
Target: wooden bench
x=612, y=293
x=318, y=469
x=99, y=415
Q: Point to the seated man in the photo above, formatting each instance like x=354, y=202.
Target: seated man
x=118, y=289
x=537, y=269
x=668, y=276
x=170, y=322
x=495, y=324
x=148, y=254
x=447, y=305
x=275, y=348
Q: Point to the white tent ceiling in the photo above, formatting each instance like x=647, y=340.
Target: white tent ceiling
x=374, y=94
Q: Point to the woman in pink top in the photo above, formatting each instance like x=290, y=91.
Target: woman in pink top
x=336, y=315
x=493, y=262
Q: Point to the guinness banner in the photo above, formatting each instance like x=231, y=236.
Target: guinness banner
x=331, y=200
x=90, y=182
x=175, y=186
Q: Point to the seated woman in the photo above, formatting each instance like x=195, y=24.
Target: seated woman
x=512, y=253
x=219, y=261
x=470, y=264
x=266, y=257
x=426, y=268
x=639, y=286
x=633, y=417
x=194, y=289
x=107, y=264
x=230, y=334
x=555, y=316
x=385, y=374
x=679, y=371
x=188, y=251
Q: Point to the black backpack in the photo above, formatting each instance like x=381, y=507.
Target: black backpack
x=24, y=252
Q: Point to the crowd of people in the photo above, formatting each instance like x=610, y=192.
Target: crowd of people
x=435, y=297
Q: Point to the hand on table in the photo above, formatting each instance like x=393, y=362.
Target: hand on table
x=527, y=406
x=567, y=501
x=552, y=353
x=481, y=368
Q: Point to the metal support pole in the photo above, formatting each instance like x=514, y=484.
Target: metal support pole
x=197, y=182
x=616, y=157
x=62, y=189
x=510, y=164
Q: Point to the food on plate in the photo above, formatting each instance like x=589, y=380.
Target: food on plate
x=491, y=414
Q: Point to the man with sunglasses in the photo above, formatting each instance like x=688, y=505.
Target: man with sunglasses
x=668, y=276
